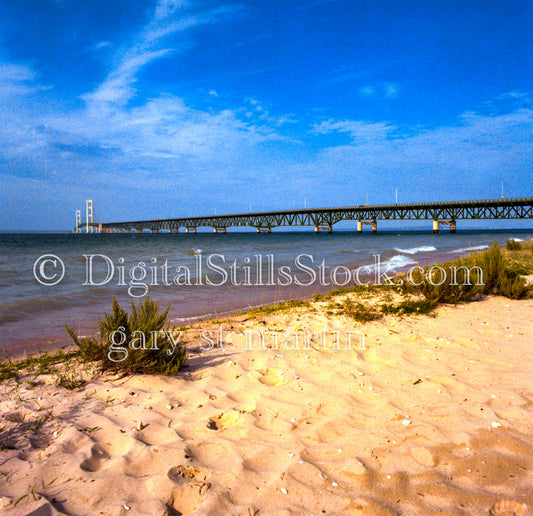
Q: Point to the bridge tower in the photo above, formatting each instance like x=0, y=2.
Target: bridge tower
x=89, y=215
x=78, y=221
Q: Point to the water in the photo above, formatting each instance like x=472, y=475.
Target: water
x=32, y=315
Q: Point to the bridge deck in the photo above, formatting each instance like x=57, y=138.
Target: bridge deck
x=325, y=218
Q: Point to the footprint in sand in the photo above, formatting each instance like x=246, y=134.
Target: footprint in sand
x=264, y=418
x=268, y=459
x=192, y=484
x=423, y=456
x=212, y=453
x=508, y=508
x=182, y=473
x=225, y=420
x=156, y=434
x=246, y=400
x=271, y=377
x=94, y=462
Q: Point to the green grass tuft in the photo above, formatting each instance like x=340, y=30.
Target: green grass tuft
x=278, y=307
x=357, y=311
x=409, y=306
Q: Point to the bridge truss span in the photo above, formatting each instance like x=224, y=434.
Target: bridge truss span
x=443, y=213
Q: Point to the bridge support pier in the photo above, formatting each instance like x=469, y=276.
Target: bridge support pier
x=452, y=226
x=154, y=231
x=360, y=224
x=329, y=229
x=264, y=230
x=219, y=230
x=450, y=223
x=190, y=230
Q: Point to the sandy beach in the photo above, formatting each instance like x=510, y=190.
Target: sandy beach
x=265, y=258
x=424, y=415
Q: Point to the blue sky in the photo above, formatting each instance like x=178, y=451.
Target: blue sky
x=172, y=108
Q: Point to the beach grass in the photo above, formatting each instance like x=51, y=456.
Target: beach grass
x=278, y=307
x=48, y=363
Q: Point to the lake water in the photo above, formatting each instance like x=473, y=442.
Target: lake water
x=197, y=274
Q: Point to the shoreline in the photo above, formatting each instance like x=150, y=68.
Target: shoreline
x=272, y=295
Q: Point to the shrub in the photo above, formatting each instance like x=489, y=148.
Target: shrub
x=134, y=343
x=493, y=265
x=488, y=273
x=512, y=245
x=458, y=281
x=512, y=285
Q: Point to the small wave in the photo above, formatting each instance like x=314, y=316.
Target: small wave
x=414, y=250
x=473, y=248
x=396, y=262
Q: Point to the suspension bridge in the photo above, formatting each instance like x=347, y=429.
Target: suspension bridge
x=323, y=219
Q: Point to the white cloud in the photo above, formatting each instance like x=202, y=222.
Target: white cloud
x=386, y=90
x=466, y=157
x=118, y=87
x=366, y=91
x=390, y=90
x=102, y=44
x=359, y=131
x=18, y=80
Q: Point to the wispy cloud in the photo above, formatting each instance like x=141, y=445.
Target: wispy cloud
x=359, y=131
x=390, y=90
x=477, y=151
x=18, y=80
x=109, y=129
x=170, y=17
x=382, y=90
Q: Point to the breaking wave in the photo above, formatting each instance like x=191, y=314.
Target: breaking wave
x=414, y=250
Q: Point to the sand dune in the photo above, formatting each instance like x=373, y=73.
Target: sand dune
x=433, y=415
